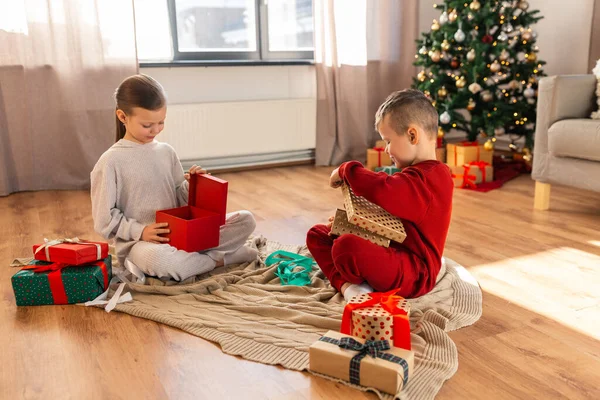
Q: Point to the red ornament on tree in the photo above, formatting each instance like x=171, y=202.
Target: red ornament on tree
x=487, y=39
x=454, y=63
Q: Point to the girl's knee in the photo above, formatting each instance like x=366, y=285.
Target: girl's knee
x=246, y=218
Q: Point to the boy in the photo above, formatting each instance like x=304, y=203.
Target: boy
x=420, y=195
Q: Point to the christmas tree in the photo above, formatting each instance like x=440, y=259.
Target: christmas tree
x=480, y=69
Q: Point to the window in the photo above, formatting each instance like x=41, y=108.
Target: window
x=216, y=30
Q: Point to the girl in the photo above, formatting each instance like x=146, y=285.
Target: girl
x=139, y=175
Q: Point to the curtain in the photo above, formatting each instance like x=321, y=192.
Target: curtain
x=595, y=38
x=364, y=50
x=60, y=63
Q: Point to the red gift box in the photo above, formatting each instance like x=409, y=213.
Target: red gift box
x=195, y=227
x=70, y=251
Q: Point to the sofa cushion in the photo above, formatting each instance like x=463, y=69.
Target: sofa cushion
x=577, y=138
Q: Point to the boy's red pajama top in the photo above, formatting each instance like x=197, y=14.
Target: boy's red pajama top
x=421, y=196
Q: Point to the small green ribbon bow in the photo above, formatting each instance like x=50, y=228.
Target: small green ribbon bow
x=287, y=263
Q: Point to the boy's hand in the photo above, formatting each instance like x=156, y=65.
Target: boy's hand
x=334, y=180
x=330, y=223
x=151, y=232
x=195, y=169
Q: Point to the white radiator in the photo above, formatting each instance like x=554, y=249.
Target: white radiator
x=230, y=134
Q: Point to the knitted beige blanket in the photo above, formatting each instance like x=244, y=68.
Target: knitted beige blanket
x=250, y=314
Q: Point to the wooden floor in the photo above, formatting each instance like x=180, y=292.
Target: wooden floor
x=537, y=338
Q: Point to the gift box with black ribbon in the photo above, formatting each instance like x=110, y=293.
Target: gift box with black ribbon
x=370, y=363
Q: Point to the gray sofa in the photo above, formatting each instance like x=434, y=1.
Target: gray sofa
x=567, y=140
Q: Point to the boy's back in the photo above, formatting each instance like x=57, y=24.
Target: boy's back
x=421, y=196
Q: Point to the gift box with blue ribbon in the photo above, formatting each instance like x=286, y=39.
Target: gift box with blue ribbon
x=370, y=363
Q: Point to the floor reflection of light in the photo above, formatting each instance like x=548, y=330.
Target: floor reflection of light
x=560, y=284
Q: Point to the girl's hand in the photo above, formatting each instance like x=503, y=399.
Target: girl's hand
x=151, y=232
x=334, y=180
x=195, y=169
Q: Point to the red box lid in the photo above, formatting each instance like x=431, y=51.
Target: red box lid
x=209, y=193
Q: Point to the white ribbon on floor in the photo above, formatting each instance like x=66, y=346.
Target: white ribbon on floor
x=131, y=274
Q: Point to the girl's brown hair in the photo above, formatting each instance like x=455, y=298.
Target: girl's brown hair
x=138, y=91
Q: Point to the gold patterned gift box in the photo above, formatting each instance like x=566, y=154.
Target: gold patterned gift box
x=362, y=362
x=459, y=154
x=371, y=217
x=341, y=226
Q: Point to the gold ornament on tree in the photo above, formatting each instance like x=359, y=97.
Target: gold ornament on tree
x=442, y=92
x=471, y=55
x=523, y=5
x=526, y=35
x=495, y=66
x=513, y=84
x=475, y=5
x=445, y=45
x=453, y=16
x=435, y=26
x=487, y=96
x=461, y=82
x=422, y=76
x=504, y=55
x=435, y=55
x=531, y=57
x=489, y=145
x=440, y=132
x=471, y=105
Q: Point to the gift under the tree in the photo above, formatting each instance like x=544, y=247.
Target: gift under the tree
x=459, y=154
x=44, y=283
x=72, y=251
x=196, y=227
x=472, y=174
x=440, y=154
x=362, y=362
x=390, y=170
x=370, y=216
x=377, y=157
x=378, y=316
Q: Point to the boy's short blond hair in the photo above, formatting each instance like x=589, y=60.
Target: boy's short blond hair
x=408, y=106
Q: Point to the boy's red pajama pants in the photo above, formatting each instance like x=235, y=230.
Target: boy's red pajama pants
x=349, y=258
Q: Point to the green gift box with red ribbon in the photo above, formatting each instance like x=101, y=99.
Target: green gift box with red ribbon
x=46, y=283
